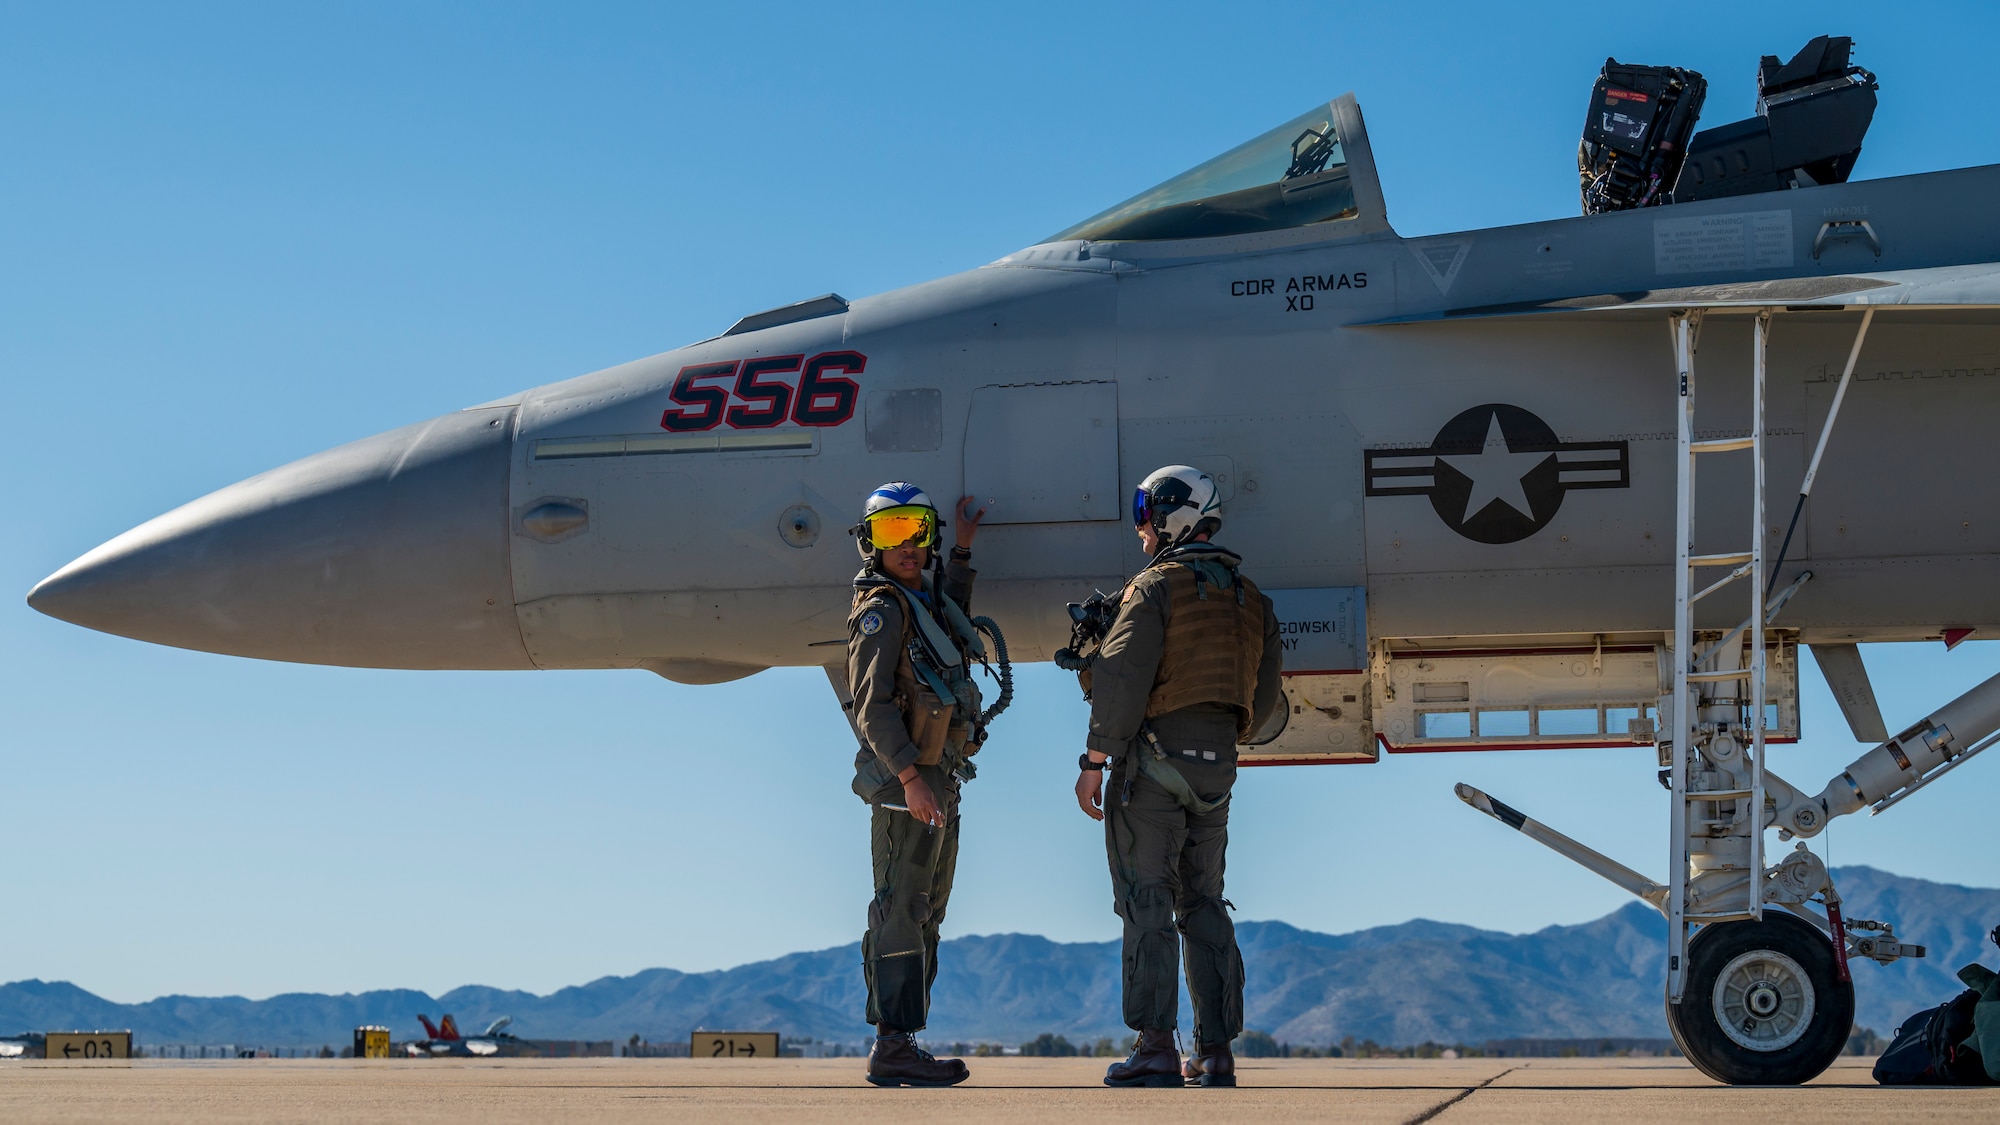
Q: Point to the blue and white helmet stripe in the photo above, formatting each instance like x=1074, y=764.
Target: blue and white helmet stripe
x=895, y=494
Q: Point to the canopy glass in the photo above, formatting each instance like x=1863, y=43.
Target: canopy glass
x=1292, y=176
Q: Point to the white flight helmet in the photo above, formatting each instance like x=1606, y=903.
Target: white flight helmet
x=1180, y=502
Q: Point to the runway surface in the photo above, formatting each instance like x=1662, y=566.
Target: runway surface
x=1394, y=1092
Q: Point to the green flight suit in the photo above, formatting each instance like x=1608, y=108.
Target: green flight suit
x=1166, y=858
x=913, y=862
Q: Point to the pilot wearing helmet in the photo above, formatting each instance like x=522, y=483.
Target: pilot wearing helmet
x=916, y=707
x=1187, y=670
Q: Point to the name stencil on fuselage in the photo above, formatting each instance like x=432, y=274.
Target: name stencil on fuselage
x=1323, y=629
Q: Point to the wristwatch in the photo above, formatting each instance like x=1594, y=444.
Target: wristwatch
x=1083, y=762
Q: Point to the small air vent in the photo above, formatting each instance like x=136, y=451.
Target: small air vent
x=556, y=518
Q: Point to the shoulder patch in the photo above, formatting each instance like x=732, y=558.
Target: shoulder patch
x=870, y=623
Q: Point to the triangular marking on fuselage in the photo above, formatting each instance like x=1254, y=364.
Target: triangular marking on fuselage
x=1441, y=260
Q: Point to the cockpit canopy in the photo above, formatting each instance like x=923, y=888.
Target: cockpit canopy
x=1292, y=176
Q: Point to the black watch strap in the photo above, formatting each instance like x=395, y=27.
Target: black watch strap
x=1083, y=762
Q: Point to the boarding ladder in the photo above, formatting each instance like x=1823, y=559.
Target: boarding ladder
x=1693, y=673
x=1697, y=714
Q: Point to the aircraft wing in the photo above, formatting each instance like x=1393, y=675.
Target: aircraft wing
x=1969, y=294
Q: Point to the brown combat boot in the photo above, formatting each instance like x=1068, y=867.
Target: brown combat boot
x=1155, y=1061
x=896, y=1060
x=1212, y=1064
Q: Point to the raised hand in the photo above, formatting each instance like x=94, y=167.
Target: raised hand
x=968, y=522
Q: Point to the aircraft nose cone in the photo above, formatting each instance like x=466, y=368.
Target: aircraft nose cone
x=390, y=552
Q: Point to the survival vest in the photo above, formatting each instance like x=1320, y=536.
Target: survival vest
x=1214, y=641
x=935, y=690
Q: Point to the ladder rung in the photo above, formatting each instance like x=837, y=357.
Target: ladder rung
x=1719, y=583
x=1711, y=677
x=1722, y=445
x=1737, y=559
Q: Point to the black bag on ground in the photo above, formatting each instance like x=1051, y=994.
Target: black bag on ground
x=1954, y=1062
x=1907, y=1062
x=1931, y=1048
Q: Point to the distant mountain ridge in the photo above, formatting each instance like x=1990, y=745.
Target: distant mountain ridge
x=1401, y=984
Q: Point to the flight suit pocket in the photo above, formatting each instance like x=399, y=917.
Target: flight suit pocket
x=930, y=724
x=871, y=778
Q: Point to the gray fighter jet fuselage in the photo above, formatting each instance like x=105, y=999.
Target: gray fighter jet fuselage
x=1474, y=429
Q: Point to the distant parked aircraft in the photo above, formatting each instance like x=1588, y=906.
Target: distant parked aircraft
x=446, y=1042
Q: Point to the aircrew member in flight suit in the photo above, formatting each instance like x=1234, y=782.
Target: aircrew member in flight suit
x=1188, y=670
x=915, y=705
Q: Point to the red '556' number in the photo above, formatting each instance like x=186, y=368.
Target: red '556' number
x=764, y=397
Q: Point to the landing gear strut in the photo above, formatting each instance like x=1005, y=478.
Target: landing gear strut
x=1756, y=993
x=1765, y=1005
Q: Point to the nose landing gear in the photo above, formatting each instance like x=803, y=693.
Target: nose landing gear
x=1765, y=1005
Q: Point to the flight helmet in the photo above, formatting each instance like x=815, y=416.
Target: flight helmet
x=896, y=513
x=1180, y=502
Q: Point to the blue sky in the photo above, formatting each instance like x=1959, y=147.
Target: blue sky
x=235, y=235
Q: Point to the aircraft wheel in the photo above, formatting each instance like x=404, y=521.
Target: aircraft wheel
x=1764, y=1003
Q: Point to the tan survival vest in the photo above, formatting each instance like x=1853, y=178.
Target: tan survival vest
x=1214, y=641
x=937, y=723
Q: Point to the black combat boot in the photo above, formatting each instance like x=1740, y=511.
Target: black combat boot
x=896, y=1060
x=1212, y=1064
x=1155, y=1061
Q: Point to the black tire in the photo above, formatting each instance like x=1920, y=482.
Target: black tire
x=1775, y=968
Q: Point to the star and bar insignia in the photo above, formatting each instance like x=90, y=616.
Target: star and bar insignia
x=1496, y=473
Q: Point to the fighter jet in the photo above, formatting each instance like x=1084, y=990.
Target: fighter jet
x=444, y=1040
x=1464, y=465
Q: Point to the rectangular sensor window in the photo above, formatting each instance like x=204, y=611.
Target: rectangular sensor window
x=905, y=421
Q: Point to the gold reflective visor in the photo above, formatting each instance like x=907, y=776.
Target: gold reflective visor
x=908, y=524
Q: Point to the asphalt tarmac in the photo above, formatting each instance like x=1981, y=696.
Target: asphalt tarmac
x=1391, y=1091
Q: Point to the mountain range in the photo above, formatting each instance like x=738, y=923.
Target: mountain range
x=1397, y=985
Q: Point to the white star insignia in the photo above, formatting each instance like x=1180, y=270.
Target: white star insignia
x=1496, y=473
